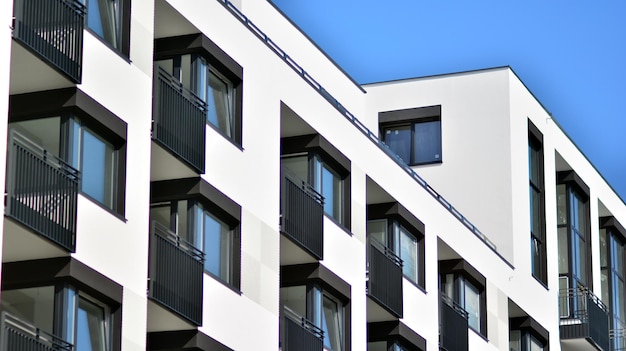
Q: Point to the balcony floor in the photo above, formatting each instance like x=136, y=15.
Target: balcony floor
x=21, y=244
x=29, y=73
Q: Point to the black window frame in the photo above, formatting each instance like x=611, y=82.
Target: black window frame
x=317, y=276
x=615, y=232
x=463, y=272
x=575, y=186
x=412, y=117
x=68, y=273
x=395, y=332
x=123, y=48
x=217, y=204
x=397, y=214
x=73, y=103
x=527, y=326
x=219, y=61
x=316, y=147
x=538, y=239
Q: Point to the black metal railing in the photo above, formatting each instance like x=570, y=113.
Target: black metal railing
x=232, y=8
x=302, y=214
x=583, y=316
x=617, y=335
x=53, y=29
x=301, y=334
x=179, y=119
x=453, y=328
x=42, y=191
x=384, y=282
x=176, y=271
x=18, y=335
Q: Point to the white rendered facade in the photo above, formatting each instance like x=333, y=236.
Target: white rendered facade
x=467, y=213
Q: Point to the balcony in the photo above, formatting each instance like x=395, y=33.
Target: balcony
x=584, y=320
x=618, y=339
x=42, y=191
x=302, y=215
x=52, y=30
x=18, y=335
x=453, y=329
x=179, y=120
x=385, y=278
x=300, y=334
x=176, y=274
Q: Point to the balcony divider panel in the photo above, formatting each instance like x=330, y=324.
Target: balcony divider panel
x=301, y=334
x=176, y=273
x=385, y=277
x=42, y=191
x=179, y=120
x=302, y=210
x=19, y=335
x=52, y=29
x=453, y=332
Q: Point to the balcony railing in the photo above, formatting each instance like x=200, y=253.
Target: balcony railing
x=584, y=316
x=179, y=120
x=176, y=271
x=52, y=29
x=42, y=191
x=618, y=338
x=18, y=335
x=302, y=210
x=453, y=329
x=385, y=277
x=301, y=334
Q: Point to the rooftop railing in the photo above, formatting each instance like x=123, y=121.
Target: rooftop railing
x=179, y=120
x=42, y=191
x=19, y=335
x=385, y=277
x=53, y=29
x=302, y=214
x=176, y=271
x=358, y=124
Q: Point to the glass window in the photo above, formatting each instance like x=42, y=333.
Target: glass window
x=471, y=299
x=415, y=143
x=408, y=253
x=535, y=170
x=331, y=324
x=33, y=305
x=220, y=103
x=468, y=296
x=515, y=340
x=104, y=18
x=90, y=326
x=218, y=246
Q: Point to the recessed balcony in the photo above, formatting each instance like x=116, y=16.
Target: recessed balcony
x=302, y=219
x=584, y=323
x=176, y=280
x=53, y=32
x=384, y=283
x=42, y=195
x=179, y=128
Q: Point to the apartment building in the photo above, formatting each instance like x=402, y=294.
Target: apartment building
x=198, y=175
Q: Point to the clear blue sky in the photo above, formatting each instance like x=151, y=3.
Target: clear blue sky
x=570, y=54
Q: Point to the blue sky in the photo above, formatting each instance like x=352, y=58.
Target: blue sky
x=570, y=54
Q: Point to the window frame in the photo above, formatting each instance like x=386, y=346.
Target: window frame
x=395, y=333
x=318, y=149
x=122, y=47
x=538, y=240
x=412, y=117
x=74, y=103
x=217, y=60
x=529, y=328
x=463, y=272
x=396, y=216
x=218, y=205
x=614, y=232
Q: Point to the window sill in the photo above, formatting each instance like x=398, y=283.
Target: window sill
x=420, y=288
x=478, y=333
x=119, y=216
x=341, y=226
x=223, y=282
x=231, y=140
x=122, y=55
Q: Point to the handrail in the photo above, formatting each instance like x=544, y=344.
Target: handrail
x=186, y=92
x=360, y=126
x=376, y=244
x=583, y=292
x=308, y=188
x=27, y=330
x=455, y=306
x=44, y=155
x=164, y=232
x=304, y=323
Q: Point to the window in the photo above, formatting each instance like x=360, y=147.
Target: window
x=612, y=257
x=211, y=75
x=527, y=335
x=465, y=286
x=328, y=175
x=207, y=220
x=94, y=143
x=313, y=292
x=537, y=208
x=573, y=232
x=110, y=20
x=396, y=228
x=393, y=336
x=413, y=134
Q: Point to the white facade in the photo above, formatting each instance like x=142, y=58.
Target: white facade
x=290, y=109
